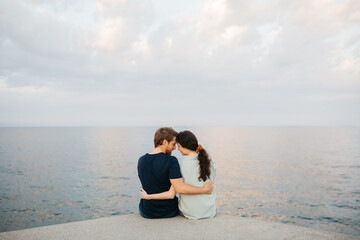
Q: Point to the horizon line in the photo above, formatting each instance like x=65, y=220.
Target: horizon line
x=187, y=125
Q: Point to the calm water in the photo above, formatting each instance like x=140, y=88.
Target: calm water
x=308, y=176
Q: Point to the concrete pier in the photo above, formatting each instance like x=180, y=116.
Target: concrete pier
x=135, y=227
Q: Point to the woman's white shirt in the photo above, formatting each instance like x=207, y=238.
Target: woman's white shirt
x=200, y=205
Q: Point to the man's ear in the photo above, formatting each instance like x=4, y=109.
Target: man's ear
x=165, y=142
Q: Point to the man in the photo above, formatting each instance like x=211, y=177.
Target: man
x=159, y=170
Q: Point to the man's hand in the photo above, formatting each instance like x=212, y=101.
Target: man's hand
x=209, y=187
x=144, y=194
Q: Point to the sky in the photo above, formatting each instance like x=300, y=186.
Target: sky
x=179, y=63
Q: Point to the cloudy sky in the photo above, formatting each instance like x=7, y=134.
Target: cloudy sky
x=160, y=62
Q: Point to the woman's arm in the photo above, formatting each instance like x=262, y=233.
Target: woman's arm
x=164, y=195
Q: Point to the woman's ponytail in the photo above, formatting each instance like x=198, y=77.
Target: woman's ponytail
x=204, y=163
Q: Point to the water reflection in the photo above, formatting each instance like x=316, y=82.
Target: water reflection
x=299, y=175
x=292, y=175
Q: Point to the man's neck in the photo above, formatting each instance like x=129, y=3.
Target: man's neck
x=158, y=150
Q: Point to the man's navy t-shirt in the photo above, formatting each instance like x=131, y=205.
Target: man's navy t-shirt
x=155, y=172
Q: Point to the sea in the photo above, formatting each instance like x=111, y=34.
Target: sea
x=305, y=176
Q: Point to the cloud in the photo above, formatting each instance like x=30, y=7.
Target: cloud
x=110, y=34
x=232, y=58
x=349, y=65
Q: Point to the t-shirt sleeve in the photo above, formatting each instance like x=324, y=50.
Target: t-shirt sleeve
x=174, y=170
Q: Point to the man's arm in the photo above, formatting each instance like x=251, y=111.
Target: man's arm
x=183, y=188
x=164, y=195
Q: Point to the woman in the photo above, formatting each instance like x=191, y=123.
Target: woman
x=197, y=169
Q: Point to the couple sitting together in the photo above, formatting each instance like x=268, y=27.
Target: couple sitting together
x=162, y=177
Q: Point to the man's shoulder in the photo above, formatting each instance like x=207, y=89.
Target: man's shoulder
x=158, y=156
x=171, y=158
x=168, y=160
x=143, y=157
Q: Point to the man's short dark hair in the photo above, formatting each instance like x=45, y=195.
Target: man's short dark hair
x=164, y=133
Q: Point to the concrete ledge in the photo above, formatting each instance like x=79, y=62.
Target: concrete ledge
x=135, y=227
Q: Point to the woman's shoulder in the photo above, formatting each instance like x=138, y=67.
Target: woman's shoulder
x=189, y=159
x=213, y=167
x=213, y=163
